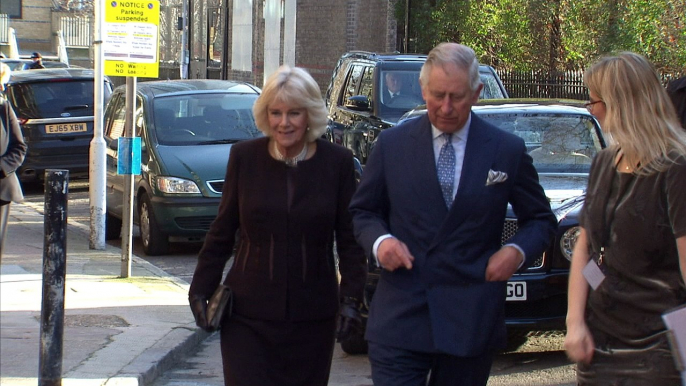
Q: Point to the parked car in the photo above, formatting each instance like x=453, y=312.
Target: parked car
x=358, y=102
x=23, y=64
x=55, y=110
x=187, y=128
x=562, y=137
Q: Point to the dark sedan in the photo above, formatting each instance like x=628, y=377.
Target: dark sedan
x=562, y=138
x=187, y=128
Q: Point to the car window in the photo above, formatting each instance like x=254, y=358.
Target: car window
x=558, y=143
x=491, y=89
x=53, y=99
x=405, y=84
x=204, y=118
x=367, y=84
x=353, y=81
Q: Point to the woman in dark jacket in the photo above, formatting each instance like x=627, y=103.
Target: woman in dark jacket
x=12, y=153
x=287, y=196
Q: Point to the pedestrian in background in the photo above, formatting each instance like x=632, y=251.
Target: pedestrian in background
x=439, y=307
x=12, y=153
x=287, y=195
x=37, y=61
x=632, y=244
x=677, y=91
x=5, y=73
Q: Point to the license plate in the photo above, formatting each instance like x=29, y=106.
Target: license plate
x=516, y=291
x=66, y=128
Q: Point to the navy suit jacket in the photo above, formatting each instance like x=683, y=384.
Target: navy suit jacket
x=443, y=304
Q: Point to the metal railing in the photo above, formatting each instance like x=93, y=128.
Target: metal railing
x=76, y=31
x=4, y=28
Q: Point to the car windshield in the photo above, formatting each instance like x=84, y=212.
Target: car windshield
x=204, y=119
x=558, y=143
x=54, y=99
x=400, y=91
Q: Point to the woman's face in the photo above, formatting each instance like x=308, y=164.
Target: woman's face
x=597, y=108
x=288, y=126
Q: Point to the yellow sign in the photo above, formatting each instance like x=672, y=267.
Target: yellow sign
x=131, y=38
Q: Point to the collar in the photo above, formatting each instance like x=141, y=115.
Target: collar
x=462, y=134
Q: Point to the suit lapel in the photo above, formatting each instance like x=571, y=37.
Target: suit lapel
x=478, y=158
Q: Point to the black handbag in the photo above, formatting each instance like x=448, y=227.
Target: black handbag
x=219, y=306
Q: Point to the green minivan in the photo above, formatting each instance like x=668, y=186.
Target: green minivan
x=187, y=128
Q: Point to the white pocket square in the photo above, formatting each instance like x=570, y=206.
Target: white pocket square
x=495, y=177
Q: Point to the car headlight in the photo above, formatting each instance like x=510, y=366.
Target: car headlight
x=568, y=241
x=176, y=185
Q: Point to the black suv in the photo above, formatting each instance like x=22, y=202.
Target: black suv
x=369, y=92
x=55, y=110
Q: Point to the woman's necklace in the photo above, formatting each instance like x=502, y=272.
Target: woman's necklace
x=290, y=161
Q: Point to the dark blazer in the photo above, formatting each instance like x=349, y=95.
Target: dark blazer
x=12, y=153
x=443, y=304
x=284, y=267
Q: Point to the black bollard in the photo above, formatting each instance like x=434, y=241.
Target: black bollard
x=54, y=275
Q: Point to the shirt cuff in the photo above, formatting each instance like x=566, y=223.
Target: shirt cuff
x=375, y=247
x=515, y=246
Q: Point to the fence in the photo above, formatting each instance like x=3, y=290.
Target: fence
x=554, y=84
x=76, y=31
x=4, y=28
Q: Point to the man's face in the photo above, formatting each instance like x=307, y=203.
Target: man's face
x=393, y=82
x=448, y=97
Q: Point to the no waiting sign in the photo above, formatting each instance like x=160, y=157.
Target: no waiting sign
x=131, y=38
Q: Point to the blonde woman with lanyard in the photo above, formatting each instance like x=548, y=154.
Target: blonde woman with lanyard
x=629, y=262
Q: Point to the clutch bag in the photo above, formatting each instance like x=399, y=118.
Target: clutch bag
x=219, y=306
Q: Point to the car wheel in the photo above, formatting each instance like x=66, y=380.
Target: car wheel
x=354, y=344
x=112, y=227
x=154, y=241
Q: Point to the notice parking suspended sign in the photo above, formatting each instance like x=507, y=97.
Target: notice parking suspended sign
x=131, y=38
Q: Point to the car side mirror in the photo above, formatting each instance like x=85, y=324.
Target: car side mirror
x=358, y=103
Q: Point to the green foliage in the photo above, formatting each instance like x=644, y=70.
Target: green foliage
x=551, y=34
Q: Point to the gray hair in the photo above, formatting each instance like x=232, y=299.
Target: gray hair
x=452, y=53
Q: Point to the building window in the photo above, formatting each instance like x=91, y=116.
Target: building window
x=11, y=8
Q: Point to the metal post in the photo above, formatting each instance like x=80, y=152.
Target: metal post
x=127, y=220
x=54, y=275
x=98, y=150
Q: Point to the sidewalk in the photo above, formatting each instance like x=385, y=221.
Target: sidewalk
x=117, y=332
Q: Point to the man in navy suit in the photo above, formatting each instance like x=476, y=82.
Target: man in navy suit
x=430, y=209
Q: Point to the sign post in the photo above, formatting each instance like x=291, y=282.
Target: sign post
x=130, y=49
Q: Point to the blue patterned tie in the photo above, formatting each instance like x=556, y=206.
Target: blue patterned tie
x=446, y=168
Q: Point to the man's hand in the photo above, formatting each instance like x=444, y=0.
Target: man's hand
x=393, y=254
x=503, y=264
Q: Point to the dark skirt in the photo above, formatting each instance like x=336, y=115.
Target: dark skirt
x=279, y=353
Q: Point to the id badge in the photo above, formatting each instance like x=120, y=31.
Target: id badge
x=593, y=274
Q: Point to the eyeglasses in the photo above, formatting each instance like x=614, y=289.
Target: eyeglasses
x=589, y=105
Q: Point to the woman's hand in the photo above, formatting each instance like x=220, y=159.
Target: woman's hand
x=349, y=319
x=579, y=343
x=199, y=309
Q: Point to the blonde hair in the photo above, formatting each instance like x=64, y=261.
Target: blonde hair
x=639, y=113
x=452, y=53
x=293, y=86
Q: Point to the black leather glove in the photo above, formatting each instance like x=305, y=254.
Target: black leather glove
x=199, y=309
x=349, y=319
